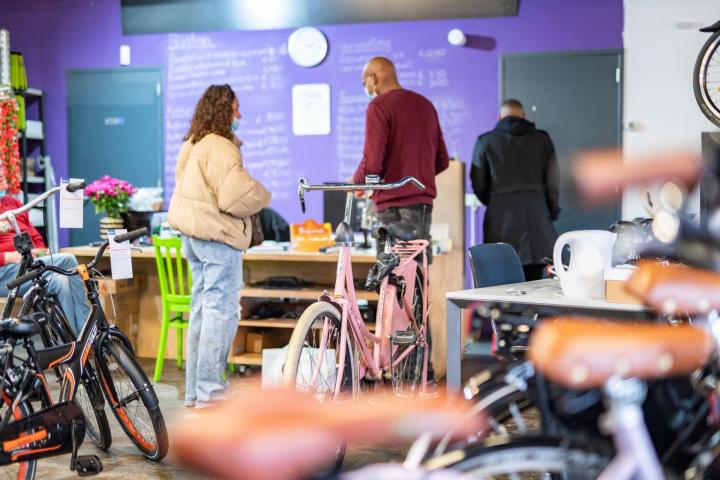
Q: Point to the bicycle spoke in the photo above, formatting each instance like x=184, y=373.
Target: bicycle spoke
x=518, y=418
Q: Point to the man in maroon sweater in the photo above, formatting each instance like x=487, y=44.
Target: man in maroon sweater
x=70, y=290
x=402, y=138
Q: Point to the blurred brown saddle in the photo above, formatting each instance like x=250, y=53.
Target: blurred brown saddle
x=582, y=353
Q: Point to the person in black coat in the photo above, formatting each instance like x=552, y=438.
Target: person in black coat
x=515, y=175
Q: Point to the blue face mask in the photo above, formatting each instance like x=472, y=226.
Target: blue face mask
x=235, y=125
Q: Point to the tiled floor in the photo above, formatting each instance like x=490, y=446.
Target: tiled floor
x=123, y=461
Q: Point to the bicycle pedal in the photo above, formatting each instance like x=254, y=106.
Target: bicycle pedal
x=86, y=465
x=403, y=338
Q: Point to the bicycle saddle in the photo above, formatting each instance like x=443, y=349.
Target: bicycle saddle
x=675, y=289
x=580, y=354
x=397, y=230
x=26, y=326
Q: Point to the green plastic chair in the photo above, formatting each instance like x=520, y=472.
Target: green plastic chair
x=175, y=289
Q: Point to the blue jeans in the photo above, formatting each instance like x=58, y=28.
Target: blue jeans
x=216, y=271
x=70, y=290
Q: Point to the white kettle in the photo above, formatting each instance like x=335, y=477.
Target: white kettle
x=590, y=254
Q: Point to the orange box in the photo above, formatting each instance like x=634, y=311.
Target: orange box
x=311, y=236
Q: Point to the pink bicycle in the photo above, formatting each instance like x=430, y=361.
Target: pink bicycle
x=332, y=349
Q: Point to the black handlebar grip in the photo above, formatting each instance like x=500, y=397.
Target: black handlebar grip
x=131, y=235
x=75, y=186
x=24, y=279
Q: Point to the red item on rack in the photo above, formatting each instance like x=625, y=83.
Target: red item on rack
x=9, y=147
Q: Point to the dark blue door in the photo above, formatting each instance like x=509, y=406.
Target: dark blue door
x=114, y=128
x=577, y=98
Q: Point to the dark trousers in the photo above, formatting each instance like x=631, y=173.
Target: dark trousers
x=534, y=272
x=417, y=215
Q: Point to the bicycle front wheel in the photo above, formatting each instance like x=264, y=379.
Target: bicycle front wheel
x=313, y=361
x=313, y=365
x=132, y=399
x=19, y=470
x=706, y=79
x=525, y=458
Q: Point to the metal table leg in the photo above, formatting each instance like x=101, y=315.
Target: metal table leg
x=453, y=346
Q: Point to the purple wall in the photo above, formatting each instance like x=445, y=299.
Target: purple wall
x=57, y=35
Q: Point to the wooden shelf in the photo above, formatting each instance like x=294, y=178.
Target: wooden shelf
x=278, y=323
x=300, y=293
x=246, y=359
x=294, y=256
x=268, y=323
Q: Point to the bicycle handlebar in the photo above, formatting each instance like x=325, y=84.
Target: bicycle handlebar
x=304, y=186
x=71, y=187
x=131, y=235
x=33, y=274
x=355, y=187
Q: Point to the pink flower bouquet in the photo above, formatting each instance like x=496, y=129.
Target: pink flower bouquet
x=110, y=195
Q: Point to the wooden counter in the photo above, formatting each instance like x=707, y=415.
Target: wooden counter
x=446, y=274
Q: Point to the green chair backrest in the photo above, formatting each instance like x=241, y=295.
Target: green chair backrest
x=171, y=267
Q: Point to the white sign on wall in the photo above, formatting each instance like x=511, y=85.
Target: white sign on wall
x=311, y=109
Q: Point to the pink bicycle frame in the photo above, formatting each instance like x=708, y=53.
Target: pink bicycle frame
x=390, y=317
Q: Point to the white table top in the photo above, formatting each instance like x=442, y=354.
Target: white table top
x=545, y=292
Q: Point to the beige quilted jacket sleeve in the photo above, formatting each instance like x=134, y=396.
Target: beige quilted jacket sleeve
x=237, y=193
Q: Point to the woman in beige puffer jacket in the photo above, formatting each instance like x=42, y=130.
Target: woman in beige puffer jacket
x=213, y=199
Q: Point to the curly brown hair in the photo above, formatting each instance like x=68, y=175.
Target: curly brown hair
x=213, y=114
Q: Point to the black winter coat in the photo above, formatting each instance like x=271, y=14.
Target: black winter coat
x=515, y=174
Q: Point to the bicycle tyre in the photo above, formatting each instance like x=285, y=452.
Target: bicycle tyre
x=92, y=404
x=309, y=317
x=124, y=382
x=407, y=379
x=21, y=470
x=503, y=407
x=525, y=457
x=298, y=341
x=702, y=95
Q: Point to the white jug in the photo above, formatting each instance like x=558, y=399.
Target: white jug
x=590, y=255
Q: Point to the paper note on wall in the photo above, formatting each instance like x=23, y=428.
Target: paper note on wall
x=311, y=109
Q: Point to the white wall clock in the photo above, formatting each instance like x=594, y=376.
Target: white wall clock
x=307, y=46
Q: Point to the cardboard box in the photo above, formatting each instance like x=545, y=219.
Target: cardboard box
x=109, y=285
x=256, y=342
x=127, y=303
x=130, y=325
x=615, y=281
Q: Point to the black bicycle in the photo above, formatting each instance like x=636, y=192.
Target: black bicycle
x=55, y=329
x=126, y=387
x=706, y=75
x=27, y=436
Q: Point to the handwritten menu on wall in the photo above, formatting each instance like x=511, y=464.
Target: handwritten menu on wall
x=257, y=66
x=257, y=76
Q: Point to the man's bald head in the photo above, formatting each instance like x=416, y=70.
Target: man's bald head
x=512, y=108
x=379, y=76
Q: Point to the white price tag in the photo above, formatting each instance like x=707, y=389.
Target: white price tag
x=71, y=205
x=120, y=261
